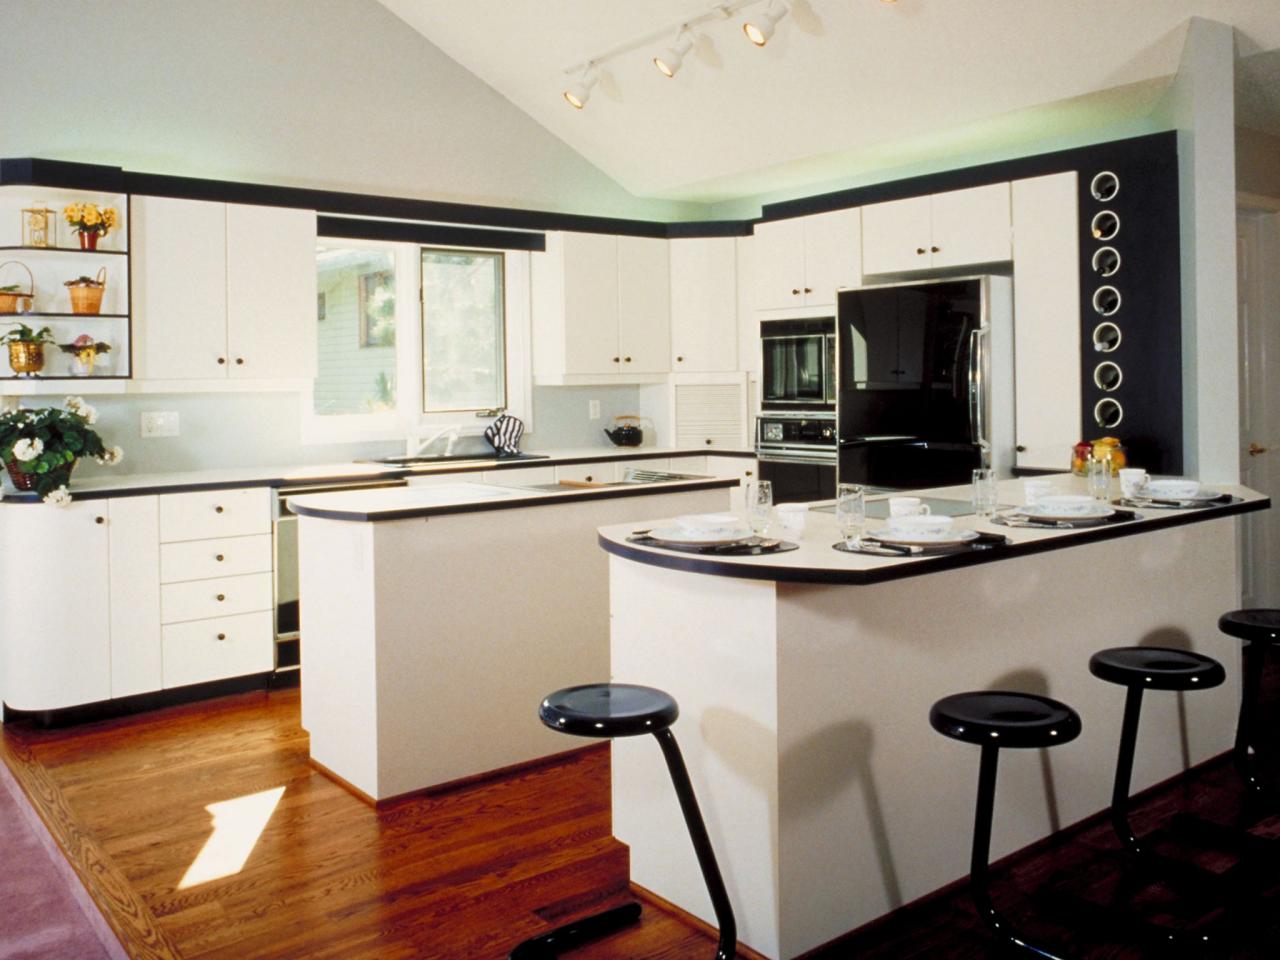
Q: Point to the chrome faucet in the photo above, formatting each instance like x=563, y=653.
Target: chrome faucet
x=415, y=444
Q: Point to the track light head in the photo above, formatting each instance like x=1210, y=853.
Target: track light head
x=579, y=92
x=759, y=31
x=669, y=60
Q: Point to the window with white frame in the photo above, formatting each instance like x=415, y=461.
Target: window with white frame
x=410, y=339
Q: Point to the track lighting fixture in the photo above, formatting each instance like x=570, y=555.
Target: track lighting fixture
x=579, y=92
x=669, y=60
x=759, y=31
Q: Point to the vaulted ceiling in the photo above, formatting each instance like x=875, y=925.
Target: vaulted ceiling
x=842, y=83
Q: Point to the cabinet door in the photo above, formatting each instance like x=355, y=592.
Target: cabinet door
x=832, y=256
x=971, y=226
x=896, y=236
x=644, y=305
x=779, y=267
x=1046, y=318
x=271, y=293
x=133, y=535
x=179, y=268
x=704, y=305
x=591, y=304
x=588, y=472
x=55, y=594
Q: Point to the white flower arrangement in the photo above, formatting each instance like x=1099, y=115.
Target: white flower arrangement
x=77, y=406
x=28, y=449
x=39, y=447
x=58, y=498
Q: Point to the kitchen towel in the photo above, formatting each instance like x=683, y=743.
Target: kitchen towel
x=505, y=433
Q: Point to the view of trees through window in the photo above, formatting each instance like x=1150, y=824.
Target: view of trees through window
x=356, y=324
x=463, y=337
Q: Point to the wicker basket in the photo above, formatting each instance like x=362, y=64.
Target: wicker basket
x=27, y=481
x=13, y=301
x=86, y=298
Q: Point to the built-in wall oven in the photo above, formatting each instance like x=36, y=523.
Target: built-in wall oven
x=798, y=364
x=798, y=454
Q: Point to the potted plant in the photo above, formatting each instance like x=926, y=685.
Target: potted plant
x=90, y=222
x=40, y=447
x=84, y=351
x=26, y=348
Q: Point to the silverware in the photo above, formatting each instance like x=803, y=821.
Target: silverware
x=1037, y=524
x=888, y=549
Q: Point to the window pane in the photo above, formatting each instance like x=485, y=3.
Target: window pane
x=356, y=317
x=463, y=340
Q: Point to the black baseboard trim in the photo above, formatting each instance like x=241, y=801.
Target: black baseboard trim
x=123, y=706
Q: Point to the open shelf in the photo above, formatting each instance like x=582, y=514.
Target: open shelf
x=15, y=317
x=75, y=250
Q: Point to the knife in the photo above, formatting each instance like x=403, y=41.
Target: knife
x=888, y=549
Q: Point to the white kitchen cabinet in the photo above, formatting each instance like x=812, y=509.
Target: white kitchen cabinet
x=748, y=319
x=208, y=514
x=805, y=261
x=588, y=472
x=1046, y=298
x=704, y=304
x=744, y=469
x=943, y=230
x=222, y=291
x=217, y=649
x=521, y=476
x=601, y=310
x=97, y=611
x=221, y=597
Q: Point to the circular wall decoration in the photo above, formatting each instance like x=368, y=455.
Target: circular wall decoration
x=1107, y=413
x=1107, y=376
x=1106, y=261
x=1106, y=337
x=1104, y=186
x=1105, y=225
x=1106, y=301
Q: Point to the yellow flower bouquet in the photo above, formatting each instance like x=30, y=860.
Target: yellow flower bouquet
x=89, y=218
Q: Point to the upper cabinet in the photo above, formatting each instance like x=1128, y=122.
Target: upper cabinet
x=804, y=261
x=704, y=303
x=944, y=230
x=601, y=309
x=223, y=291
x=1046, y=299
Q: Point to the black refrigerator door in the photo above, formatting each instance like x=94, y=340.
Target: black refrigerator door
x=908, y=464
x=799, y=482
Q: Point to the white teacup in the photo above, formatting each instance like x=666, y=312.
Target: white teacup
x=1132, y=480
x=791, y=517
x=919, y=525
x=1066, y=505
x=1033, y=491
x=908, y=507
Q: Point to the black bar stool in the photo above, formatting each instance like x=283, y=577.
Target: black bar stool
x=1139, y=669
x=1259, y=629
x=608, y=710
x=995, y=719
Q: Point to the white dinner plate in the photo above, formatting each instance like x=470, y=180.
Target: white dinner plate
x=692, y=538
x=1153, y=490
x=950, y=538
x=1032, y=512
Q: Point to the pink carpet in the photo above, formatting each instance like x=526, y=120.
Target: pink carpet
x=45, y=913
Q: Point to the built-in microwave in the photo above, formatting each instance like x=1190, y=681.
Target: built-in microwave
x=798, y=364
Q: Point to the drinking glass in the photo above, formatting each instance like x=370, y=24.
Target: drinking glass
x=985, y=497
x=1100, y=478
x=851, y=511
x=760, y=506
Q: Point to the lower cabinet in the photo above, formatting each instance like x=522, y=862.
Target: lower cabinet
x=217, y=648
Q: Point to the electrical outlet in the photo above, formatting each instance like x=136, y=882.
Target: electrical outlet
x=593, y=409
x=159, y=423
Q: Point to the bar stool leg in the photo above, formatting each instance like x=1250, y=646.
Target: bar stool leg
x=727, y=947
x=1124, y=773
x=979, y=875
x=1252, y=656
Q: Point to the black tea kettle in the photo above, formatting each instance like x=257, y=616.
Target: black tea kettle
x=626, y=431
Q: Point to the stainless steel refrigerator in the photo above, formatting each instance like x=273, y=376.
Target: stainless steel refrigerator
x=925, y=381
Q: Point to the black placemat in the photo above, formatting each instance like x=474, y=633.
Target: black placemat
x=1026, y=523
x=984, y=541
x=751, y=547
x=1172, y=503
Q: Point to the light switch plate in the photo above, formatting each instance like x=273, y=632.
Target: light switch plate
x=593, y=409
x=159, y=423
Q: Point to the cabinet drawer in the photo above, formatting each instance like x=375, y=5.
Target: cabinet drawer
x=223, y=597
x=589, y=472
x=215, y=513
x=204, y=559
x=217, y=649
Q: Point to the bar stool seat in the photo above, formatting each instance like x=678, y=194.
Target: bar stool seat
x=1259, y=628
x=1156, y=668
x=1260, y=625
x=608, y=710
x=993, y=719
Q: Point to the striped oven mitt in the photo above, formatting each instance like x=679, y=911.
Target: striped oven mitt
x=505, y=433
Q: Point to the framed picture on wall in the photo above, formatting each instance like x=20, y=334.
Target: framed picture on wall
x=377, y=309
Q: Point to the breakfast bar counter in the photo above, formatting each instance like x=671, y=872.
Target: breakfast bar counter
x=805, y=679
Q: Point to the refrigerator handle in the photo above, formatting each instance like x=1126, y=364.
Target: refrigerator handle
x=977, y=386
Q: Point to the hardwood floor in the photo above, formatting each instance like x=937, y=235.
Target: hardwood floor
x=467, y=874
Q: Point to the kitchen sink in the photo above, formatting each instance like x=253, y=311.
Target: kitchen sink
x=427, y=459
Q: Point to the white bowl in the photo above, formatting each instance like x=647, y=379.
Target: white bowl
x=1066, y=505
x=710, y=523
x=1171, y=489
x=920, y=525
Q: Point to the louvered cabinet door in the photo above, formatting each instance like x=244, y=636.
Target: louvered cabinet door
x=711, y=415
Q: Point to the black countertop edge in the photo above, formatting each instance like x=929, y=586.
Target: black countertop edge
x=921, y=566
x=547, y=500
x=391, y=473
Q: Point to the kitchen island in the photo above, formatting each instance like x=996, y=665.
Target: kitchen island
x=805, y=680
x=435, y=619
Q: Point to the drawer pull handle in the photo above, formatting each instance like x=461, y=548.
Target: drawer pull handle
x=750, y=473
x=99, y=519
x=919, y=251
x=222, y=636
x=221, y=597
x=239, y=361
x=222, y=360
x=217, y=509
x=808, y=289
x=795, y=291
x=935, y=249
x=218, y=557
